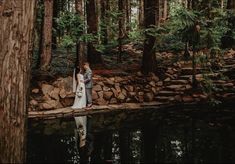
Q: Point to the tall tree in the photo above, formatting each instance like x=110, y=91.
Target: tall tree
x=141, y=13
x=230, y=4
x=47, y=35
x=17, y=20
x=128, y=16
x=80, y=45
x=105, y=9
x=122, y=29
x=158, y=12
x=149, y=60
x=93, y=56
x=165, y=9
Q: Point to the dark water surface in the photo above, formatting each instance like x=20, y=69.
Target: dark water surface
x=201, y=137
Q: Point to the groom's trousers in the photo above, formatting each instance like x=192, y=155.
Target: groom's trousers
x=89, y=95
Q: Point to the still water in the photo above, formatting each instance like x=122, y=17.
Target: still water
x=195, y=137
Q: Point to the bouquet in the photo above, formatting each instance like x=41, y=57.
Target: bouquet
x=79, y=92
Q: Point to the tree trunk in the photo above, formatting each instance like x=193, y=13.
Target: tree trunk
x=158, y=12
x=55, y=26
x=141, y=14
x=17, y=20
x=80, y=46
x=122, y=30
x=128, y=16
x=93, y=56
x=149, y=60
x=105, y=8
x=47, y=35
x=165, y=10
x=231, y=4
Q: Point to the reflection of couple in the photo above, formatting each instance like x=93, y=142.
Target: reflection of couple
x=82, y=86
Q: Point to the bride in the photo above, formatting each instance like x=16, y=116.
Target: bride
x=79, y=103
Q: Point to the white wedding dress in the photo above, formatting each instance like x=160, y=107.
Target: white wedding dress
x=79, y=103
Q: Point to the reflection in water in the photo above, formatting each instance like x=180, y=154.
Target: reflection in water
x=176, y=139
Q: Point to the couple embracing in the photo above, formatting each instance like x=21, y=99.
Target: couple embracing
x=82, y=86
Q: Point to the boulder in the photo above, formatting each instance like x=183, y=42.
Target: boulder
x=124, y=92
x=68, y=101
x=94, y=95
x=55, y=93
x=97, y=88
x=106, y=89
x=118, y=79
x=159, y=84
x=108, y=95
x=178, y=98
x=100, y=94
x=115, y=92
x=35, y=90
x=33, y=103
x=101, y=101
x=140, y=93
x=129, y=88
x=117, y=87
x=155, y=78
x=113, y=101
x=121, y=96
x=66, y=83
x=188, y=99
x=109, y=82
x=152, y=83
x=148, y=97
x=167, y=79
x=46, y=97
x=46, y=88
x=139, y=74
x=50, y=104
x=154, y=90
x=63, y=93
x=132, y=94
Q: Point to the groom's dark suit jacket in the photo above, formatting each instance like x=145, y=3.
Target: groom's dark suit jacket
x=88, y=78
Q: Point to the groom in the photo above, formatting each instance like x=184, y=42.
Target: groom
x=88, y=83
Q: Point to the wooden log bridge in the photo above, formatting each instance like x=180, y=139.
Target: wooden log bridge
x=96, y=109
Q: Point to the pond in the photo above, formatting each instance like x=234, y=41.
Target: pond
x=201, y=136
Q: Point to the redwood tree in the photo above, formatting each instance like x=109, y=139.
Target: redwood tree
x=17, y=19
x=231, y=4
x=47, y=35
x=148, y=60
x=80, y=46
x=122, y=29
x=93, y=56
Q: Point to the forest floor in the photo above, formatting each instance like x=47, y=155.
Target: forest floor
x=120, y=83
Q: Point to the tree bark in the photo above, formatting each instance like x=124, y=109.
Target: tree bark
x=80, y=45
x=17, y=20
x=93, y=56
x=128, y=16
x=158, y=12
x=105, y=8
x=165, y=10
x=149, y=60
x=122, y=30
x=231, y=4
x=47, y=35
x=141, y=14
